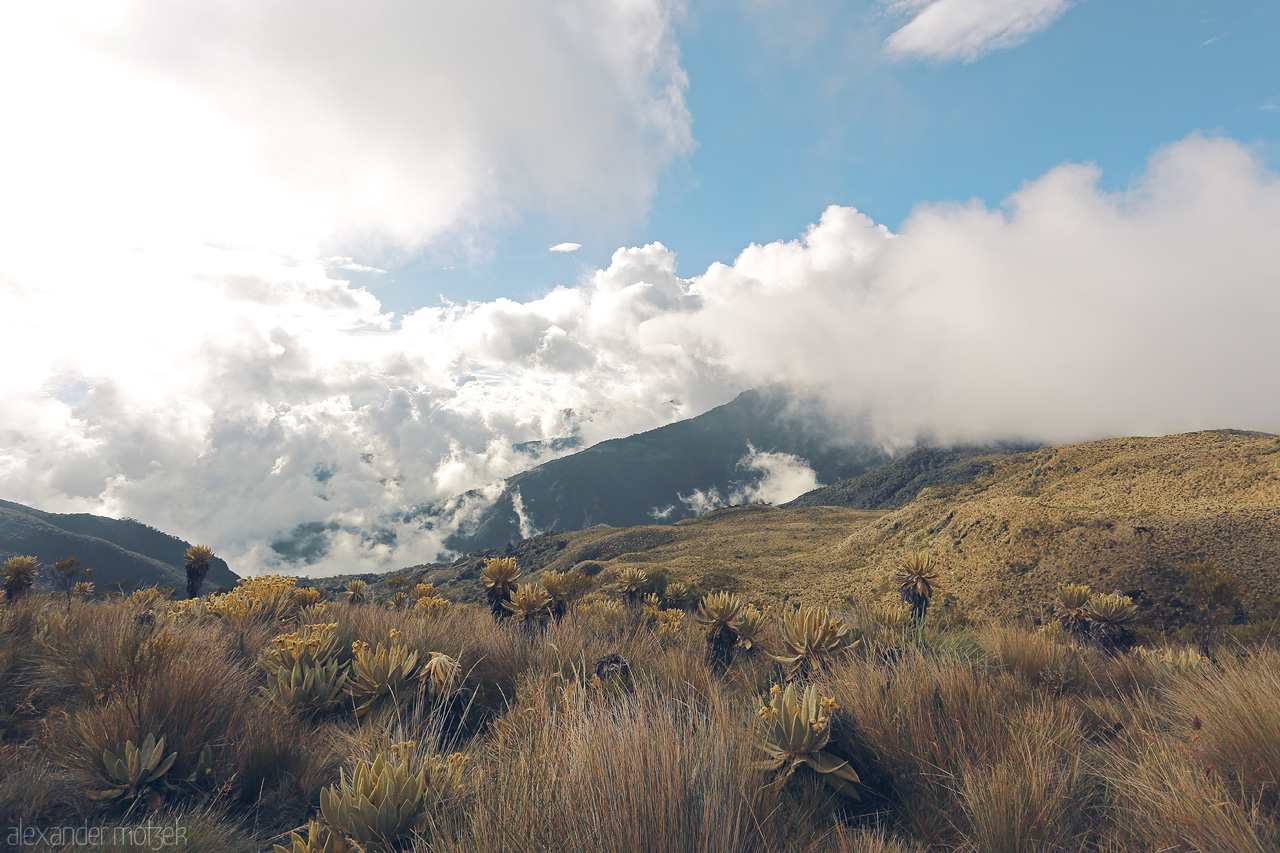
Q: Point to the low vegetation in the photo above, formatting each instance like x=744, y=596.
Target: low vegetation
x=636, y=712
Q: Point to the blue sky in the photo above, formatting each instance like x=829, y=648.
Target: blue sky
x=796, y=106
x=270, y=263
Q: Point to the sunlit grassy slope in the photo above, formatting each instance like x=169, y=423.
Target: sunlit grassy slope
x=629, y=724
x=1122, y=513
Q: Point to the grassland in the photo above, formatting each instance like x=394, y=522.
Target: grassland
x=986, y=727
x=990, y=737
x=1121, y=514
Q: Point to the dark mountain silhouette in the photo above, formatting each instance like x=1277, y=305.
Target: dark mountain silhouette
x=118, y=550
x=896, y=483
x=653, y=475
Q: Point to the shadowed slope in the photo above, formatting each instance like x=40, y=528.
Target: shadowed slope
x=116, y=549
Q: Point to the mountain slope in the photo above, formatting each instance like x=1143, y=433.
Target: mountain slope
x=1121, y=514
x=117, y=549
x=669, y=473
x=896, y=483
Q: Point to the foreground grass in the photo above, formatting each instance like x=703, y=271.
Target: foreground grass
x=993, y=738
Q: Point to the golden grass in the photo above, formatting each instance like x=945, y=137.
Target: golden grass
x=995, y=739
x=1120, y=514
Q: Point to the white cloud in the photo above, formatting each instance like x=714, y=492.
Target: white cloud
x=775, y=478
x=179, y=185
x=229, y=407
x=350, y=265
x=348, y=130
x=565, y=247
x=526, y=525
x=662, y=513
x=951, y=30
x=700, y=502
x=784, y=476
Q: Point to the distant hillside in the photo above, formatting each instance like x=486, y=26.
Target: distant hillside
x=758, y=549
x=896, y=483
x=651, y=476
x=1122, y=514
x=118, y=550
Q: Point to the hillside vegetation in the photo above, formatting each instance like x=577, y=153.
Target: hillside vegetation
x=1121, y=514
x=606, y=690
x=625, y=481
x=225, y=723
x=896, y=483
x=118, y=550
x=753, y=549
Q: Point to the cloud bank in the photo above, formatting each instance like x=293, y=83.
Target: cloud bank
x=772, y=478
x=231, y=404
x=951, y=30
x=326, y=128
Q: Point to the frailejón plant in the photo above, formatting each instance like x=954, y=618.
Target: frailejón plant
x=915, y=582
x=631, y=582
x=380, y=672
x=19, y=576
x=719, y=614
x=135, y=771
x=797, y=727
x=501, y=576
x=1073, y=601
x=812, y=640
x=382, y=803
x=530, y=607
x=198, y=558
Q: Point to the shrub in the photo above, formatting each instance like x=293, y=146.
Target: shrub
x=1038, y=659
x=812, y=641
x=185, y=690
x=198, y=558
x=1238, y=707
x=19, y=576
x=501, y=577
x=915, y=582
x=797, y=727
x=719, y=614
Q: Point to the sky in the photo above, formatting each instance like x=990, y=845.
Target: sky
x=272, y=263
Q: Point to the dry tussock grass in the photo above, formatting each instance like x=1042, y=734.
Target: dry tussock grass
x=994, y=739
x=1116, y=514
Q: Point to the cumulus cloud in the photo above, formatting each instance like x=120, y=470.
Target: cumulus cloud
x=184, y=192
x=526, y=525
x=350, y=265
x=565, y=247
x=186, y=131
x=783, y=476
x=233, y=406
x=773, y=478
x=950, y=30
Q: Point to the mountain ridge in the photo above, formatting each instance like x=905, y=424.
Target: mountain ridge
x=118, y=550
x=1119, y=514
x=897, y=482
x=658, y=474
